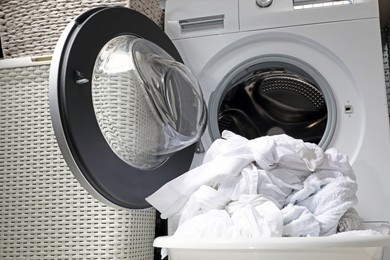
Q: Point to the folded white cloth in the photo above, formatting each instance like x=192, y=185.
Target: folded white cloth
x=303, y=188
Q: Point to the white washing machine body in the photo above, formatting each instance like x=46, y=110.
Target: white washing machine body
x=337, y=43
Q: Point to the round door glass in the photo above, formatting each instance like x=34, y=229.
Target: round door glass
x=147, y=105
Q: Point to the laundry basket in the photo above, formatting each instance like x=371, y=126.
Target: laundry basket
x=44, y=211
x=31, y=28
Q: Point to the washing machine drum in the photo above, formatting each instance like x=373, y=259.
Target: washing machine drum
x=125, y=110
x=278, y=101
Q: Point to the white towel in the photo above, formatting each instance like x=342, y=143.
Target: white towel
x=298, y=221
x=328, y=195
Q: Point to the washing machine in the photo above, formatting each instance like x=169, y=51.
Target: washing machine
x=309, y=69
x=129, y=116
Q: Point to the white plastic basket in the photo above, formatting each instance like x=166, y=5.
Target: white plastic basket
x=281, y=248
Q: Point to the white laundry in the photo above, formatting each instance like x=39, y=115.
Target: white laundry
x=298, y=221
x=213, y=224
x=244, y=183
x=252, y=216
x=224, y=162
x=255, y=216
x=203, y=200
x=309, y=189
x=327, y=195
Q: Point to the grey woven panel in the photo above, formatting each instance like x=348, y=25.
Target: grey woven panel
x=44, y=212
x=33, y=27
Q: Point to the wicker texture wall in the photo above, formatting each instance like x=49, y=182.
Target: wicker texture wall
x=44, y=212
x=30, y=28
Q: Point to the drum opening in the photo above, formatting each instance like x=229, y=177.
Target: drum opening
x=284, y=96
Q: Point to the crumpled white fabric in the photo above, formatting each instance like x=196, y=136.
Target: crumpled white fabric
x=327, y=195
x=252, y=216
x=255, y=216
x=201, y=201
x=213, y=224
x=224, y=162
x=287, y=171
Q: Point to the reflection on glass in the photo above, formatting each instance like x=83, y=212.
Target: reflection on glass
x=147, y=105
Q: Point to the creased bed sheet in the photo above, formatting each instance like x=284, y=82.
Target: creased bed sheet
x=265, y=187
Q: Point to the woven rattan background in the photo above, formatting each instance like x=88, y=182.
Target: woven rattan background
x=30, y=28
x=44, y=212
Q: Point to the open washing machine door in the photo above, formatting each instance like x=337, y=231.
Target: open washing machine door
x=126, y=112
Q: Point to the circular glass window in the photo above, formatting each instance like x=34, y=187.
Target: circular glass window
x=147, y=105
x=274, y=95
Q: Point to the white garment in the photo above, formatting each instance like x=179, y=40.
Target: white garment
x=252, y=216
x=255, y=216
x=213, y=224
x=244, y=183
x=203, y=200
